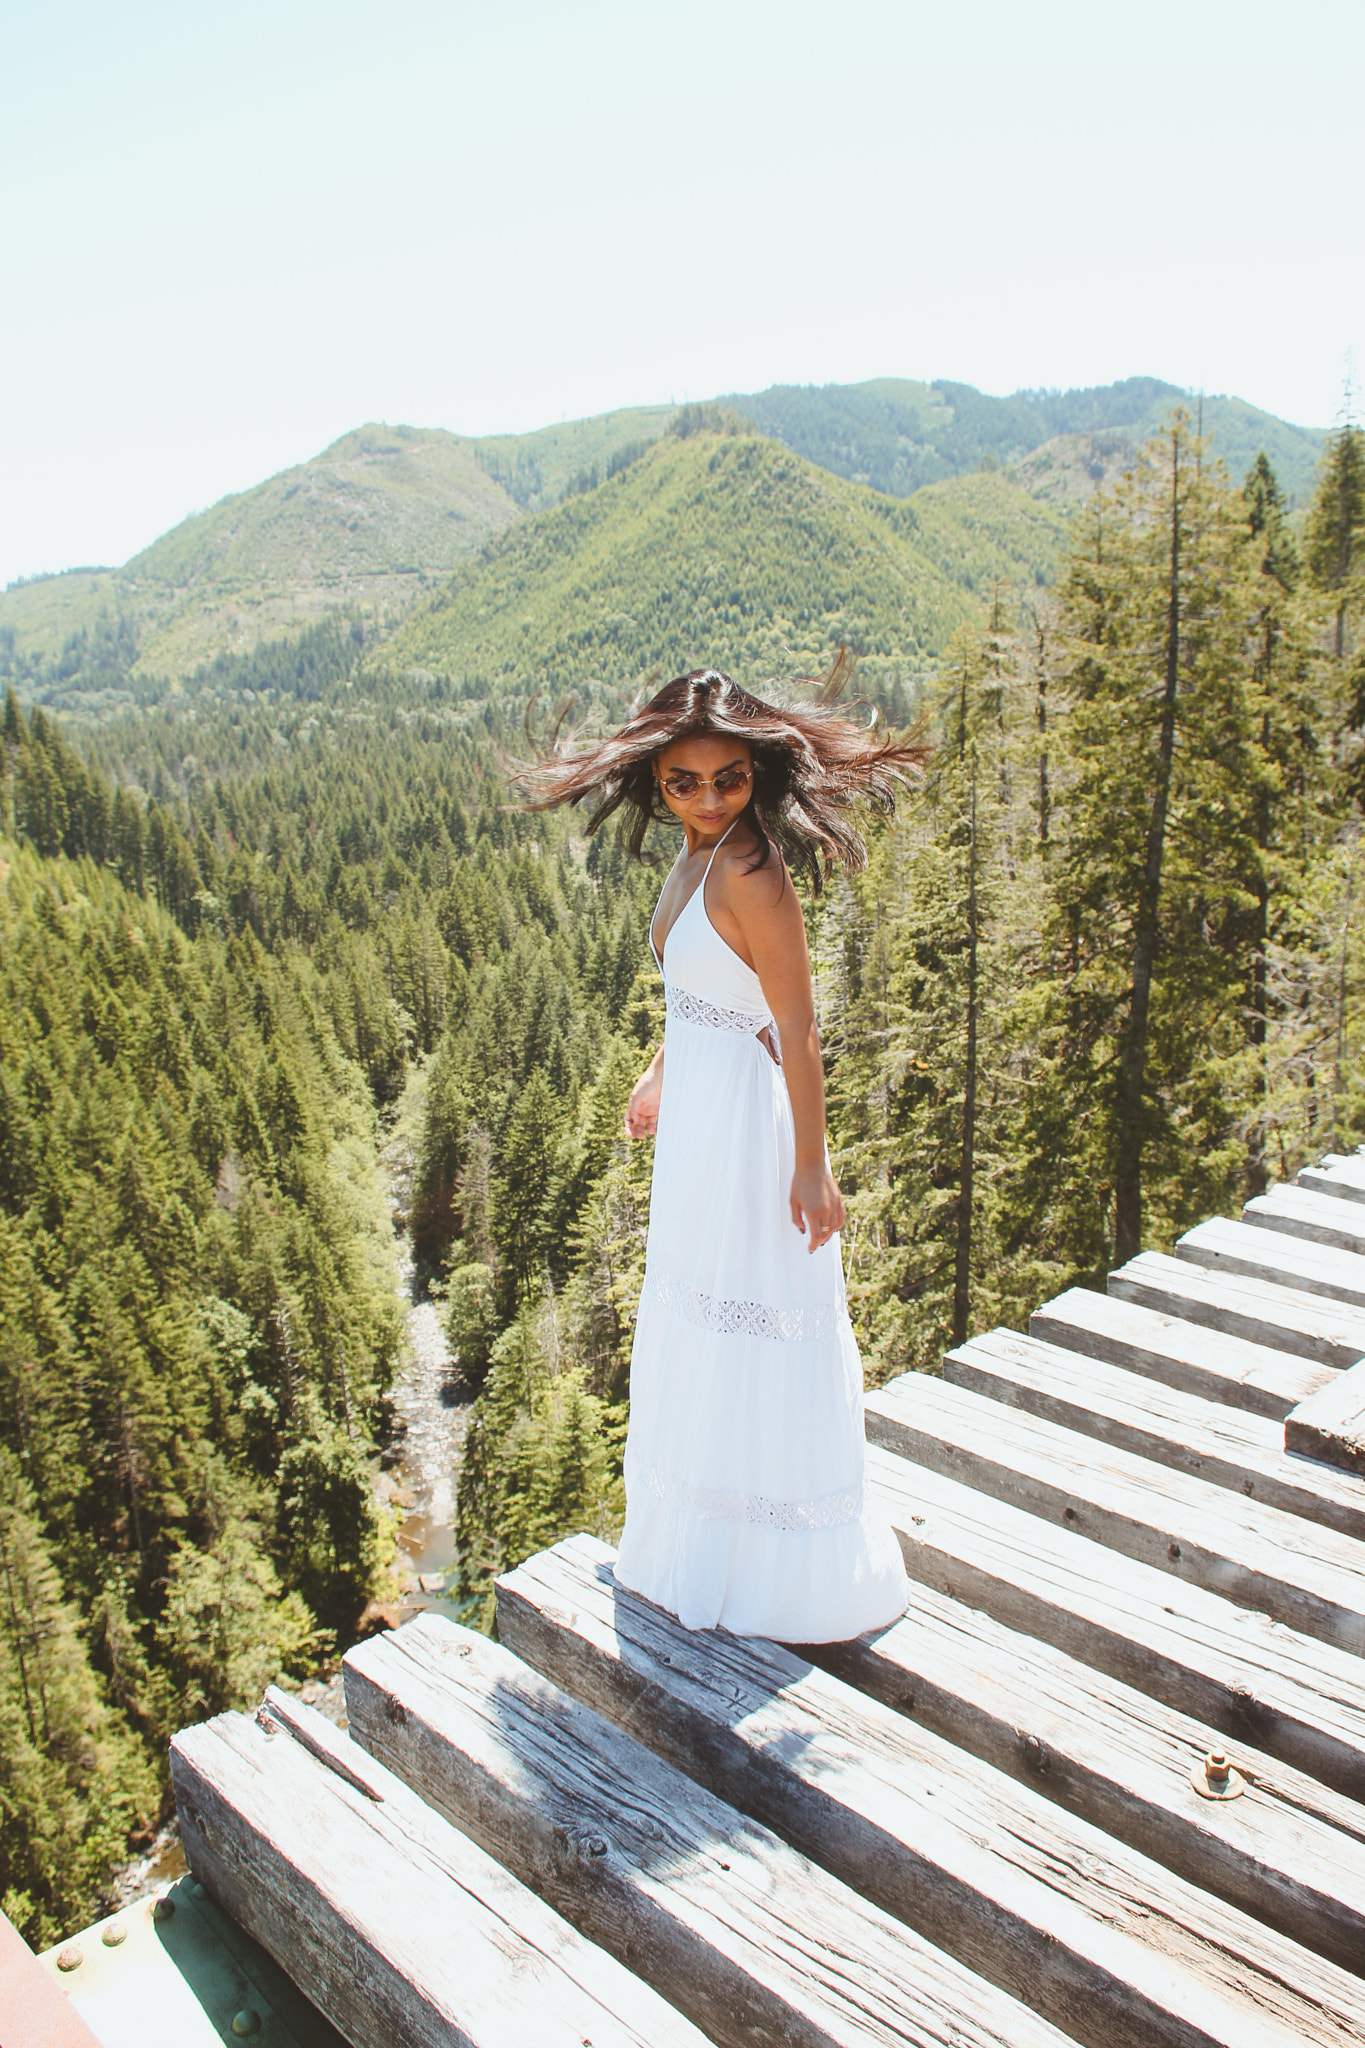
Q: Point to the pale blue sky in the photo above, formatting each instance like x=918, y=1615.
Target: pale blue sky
x=233, y=232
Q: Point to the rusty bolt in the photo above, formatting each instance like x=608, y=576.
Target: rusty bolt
x=114, y=1935
x=69, y=1958
x=1213, y=1777
x=247, y=2021
x=163, y=1908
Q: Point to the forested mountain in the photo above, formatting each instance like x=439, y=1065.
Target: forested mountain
x=364, y=525
x=724, y=538
x=230, y=923
x=898, y=435
x=367, y=525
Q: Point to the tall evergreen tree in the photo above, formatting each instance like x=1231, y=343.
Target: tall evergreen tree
x=1156, y=742
x=1334, y=534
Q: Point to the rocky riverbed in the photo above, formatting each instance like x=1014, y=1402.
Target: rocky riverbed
x=414, y=1475
x=431, y=1402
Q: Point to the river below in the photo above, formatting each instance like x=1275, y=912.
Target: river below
x=414, y=1473
x=430, y=1400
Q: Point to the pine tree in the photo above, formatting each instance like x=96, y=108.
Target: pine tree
x=1153, y=859
x=71, y=1782
x=1335, y=530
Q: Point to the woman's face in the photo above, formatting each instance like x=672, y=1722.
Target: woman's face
x=706, y=781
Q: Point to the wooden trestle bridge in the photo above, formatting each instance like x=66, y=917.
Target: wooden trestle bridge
x=1105, y=1782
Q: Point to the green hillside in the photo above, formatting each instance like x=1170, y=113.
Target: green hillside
x=362, y=525
x=898, y=435
x=43, y=613
x=367, y=526
x=540, y=468
x=727, y=548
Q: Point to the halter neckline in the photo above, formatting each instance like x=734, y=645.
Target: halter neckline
x=698, y=891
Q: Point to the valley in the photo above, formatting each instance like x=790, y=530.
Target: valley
x=280, y=955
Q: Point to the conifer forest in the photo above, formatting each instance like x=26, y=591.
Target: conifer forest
x=1103, y=975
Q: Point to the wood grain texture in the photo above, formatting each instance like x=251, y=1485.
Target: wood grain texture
x=1188, y=1356
x=1227, y=1247
x=1245, y=1454
x=1307, y=1577
x=398, y=1928
x=1332, y=1333
x=1330, y=1425
x=1316, y=1218
x=762, y=1948
x=1291, y=1851
x=1227, y=1666
x=1341, y=1176
x=1086, y=1927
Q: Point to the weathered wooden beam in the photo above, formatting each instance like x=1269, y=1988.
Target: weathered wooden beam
x=1340, y=1176
x=1290, y=1851
x=1187, y=1355
x=749, y=1937
x=394, y=1924
x=1289, y=1318
x=1244, y=1453
x=1305, y=1576
x=1317, y=1219
x=904, y=1811
x=1330, y=1425
x=1227, y=1247
x=1236, y=1670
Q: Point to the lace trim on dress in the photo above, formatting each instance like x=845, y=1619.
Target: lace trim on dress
x=745, y=1318
x=827, y=1511
x=695, y=1010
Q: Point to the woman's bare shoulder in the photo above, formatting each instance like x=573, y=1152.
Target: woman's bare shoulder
x=746, y=887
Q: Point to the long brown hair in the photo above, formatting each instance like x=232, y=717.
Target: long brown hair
x=812, y=768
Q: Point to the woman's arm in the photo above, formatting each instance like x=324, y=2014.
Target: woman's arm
x=767, y=911
x=642, y=1111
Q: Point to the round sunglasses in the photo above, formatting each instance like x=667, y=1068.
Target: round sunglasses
x=682, y=784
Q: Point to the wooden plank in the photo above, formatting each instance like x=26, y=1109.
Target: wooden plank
x=1290, y=1850
x=1256, y=1682
x=908, y=1816
x=1186, y=1355
x=1258, y=1310
x=1330, y=1424
x=1341, y=1176
x=395, y=1925
x=1246, y=1454
x=749, y=1937
x=1308, y=1577
x=1227, y=1247
x=1317, y=1219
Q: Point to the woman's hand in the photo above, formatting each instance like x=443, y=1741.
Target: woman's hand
x=642, y=1111
x=817, y=1205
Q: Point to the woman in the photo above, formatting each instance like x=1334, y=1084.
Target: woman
x=744, y=1460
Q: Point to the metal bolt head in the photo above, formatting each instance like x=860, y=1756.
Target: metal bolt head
x=247, y=2021
x=69, y=1958
x=114, y=1935
x=1213, y=1777
x=163, y=1908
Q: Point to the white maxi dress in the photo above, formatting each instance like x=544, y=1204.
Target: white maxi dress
x=745, y=1457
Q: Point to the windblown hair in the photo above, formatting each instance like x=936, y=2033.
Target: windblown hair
x=813, y=769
